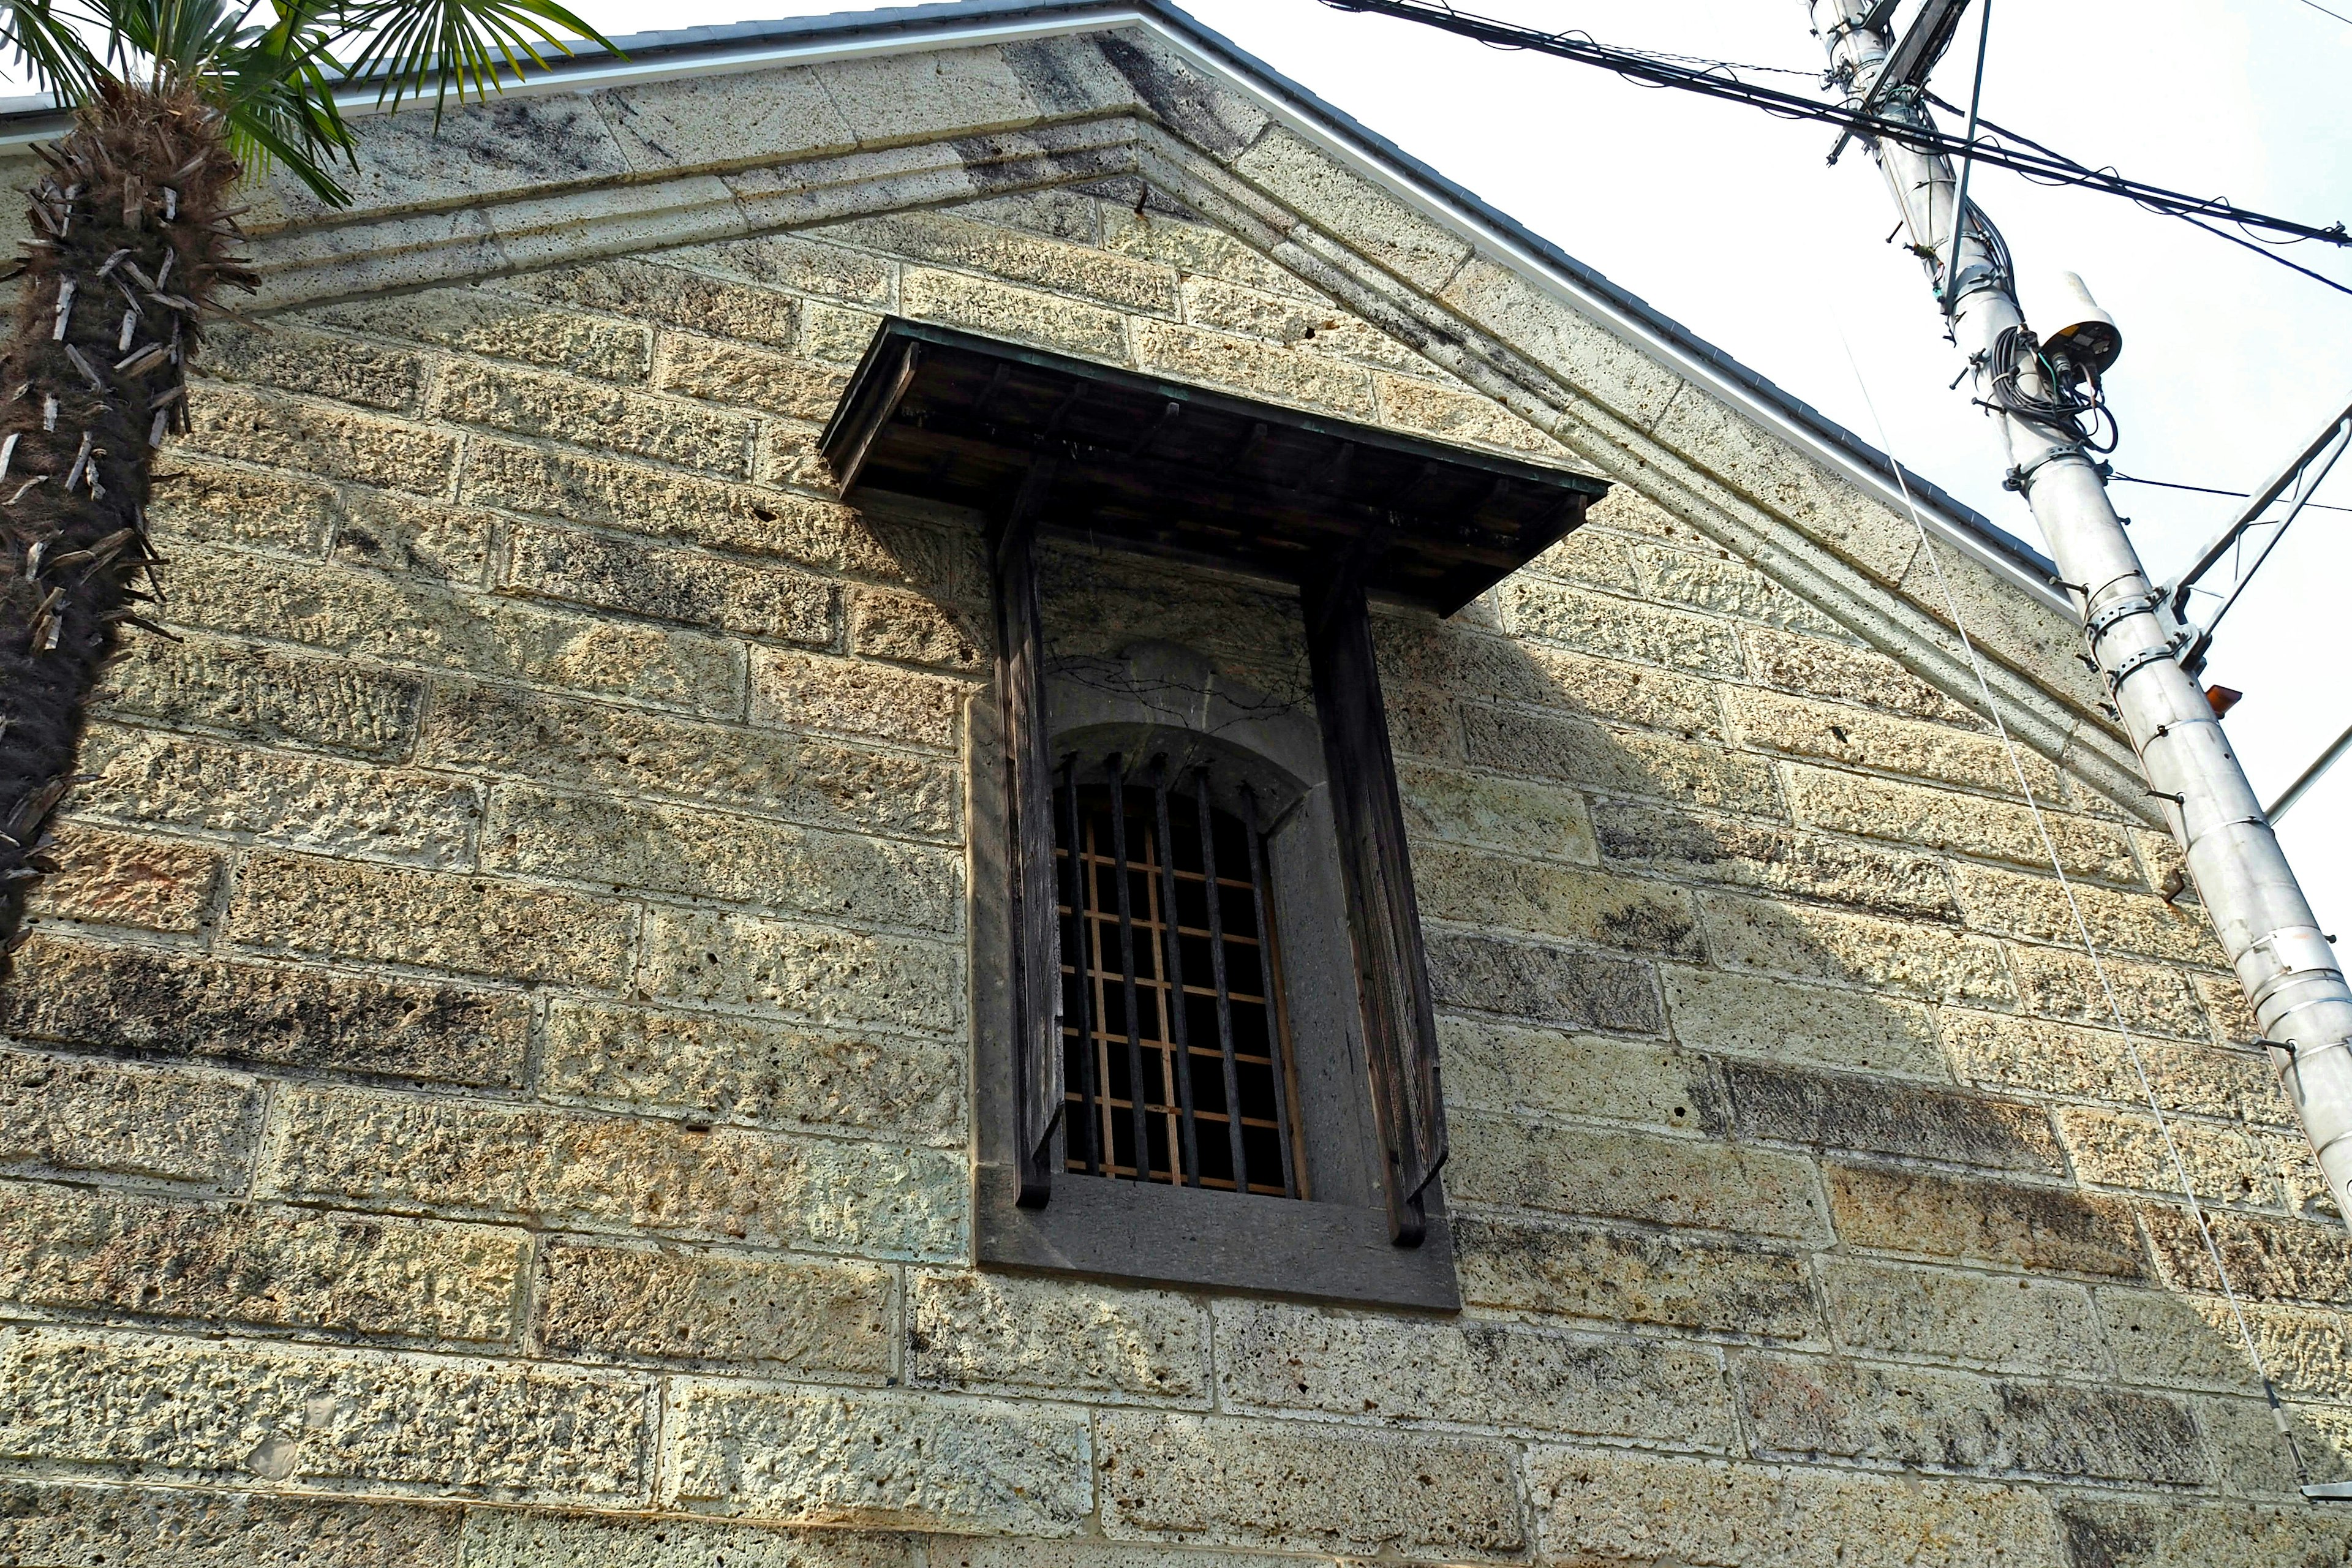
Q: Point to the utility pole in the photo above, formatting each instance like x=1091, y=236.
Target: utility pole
x=2287, y=968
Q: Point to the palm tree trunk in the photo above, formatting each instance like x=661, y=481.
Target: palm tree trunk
x=128, y=245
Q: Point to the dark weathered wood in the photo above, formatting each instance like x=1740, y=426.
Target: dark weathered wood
x=1384, y=917
x=1036, y=935
x=1276, y=1049
x=1217, y=977
x=868, y=421
x=1139, y=1119
x=1171, y=940
x=1085, y=1143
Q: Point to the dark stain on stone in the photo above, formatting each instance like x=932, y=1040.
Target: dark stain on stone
x=1179, y=100
x=1847, y=1112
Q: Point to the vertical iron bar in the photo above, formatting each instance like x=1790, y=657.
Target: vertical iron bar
x=1170, y=919
x=1126, y=974
x=1217, y=969
x=1082, y=962
x=1265, y=984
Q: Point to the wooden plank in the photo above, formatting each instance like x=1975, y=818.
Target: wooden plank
x=1384, y=917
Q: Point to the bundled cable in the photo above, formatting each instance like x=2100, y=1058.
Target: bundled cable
x=2072, y=402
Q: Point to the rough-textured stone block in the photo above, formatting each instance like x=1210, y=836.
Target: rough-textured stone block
x=486, y=324
x=222, y=1264
x=1193, y=247
x=726, y=117
x=1504, y=1067
x=259, y=693
x=762, y=1075
x=505, y=1537
x=1529, y=313
x=1635, y=1175
x=427, y=538
x=291, y=359
x=2178, y=1341
x=1514, y=815
x=1108, y=277
x=2225, y=1165
x=1283, y=317
x=1846, y=673
x=594, y=414
x=1021, y=315
x=2030, y=1325
x=1460, y=417
x=1282, y=1357
x=412, y=622
x=566, y=1169
x=800, y=264
x=888, y=99
x=1965, y=825
x=810, y=970
x=1589, y=555
x=178, y=1004
x=755, y=1315
x=272, y=511
x=854, y=696
x=2057, y=984
x=1935, y=753
x=322, y=439
x=2251, y=1459
x=1855, y=950
x=587, y=746
x=1347, y=204
x=1718, y=585
x=1231, y=1483
x=700, y=589
x=322, y=1417
x=2100, y=1534
x=1642, y=1276
x=912, y=627
x=467, y=925
x=145, y=776
x=671, y=297
x=2092, y=1064
x=781, y=1454
x=1606, y=1506
x=2036, y=908
x=71, y=1115
x=1913, y=1417
x=2268, y=1259
x=1555, y=985
x=1844, y=1110
x=1801, y=1023
x=85, y=1526
x=126, y=879
x=1056, y=1337
x=1496, y=668
x=1297, y=377
x=1620, y=628
x=1618, y=762
x=756, y=378
x=830, y=333
x=1705, y=847
x=1992, y=1222
x=1498, y=893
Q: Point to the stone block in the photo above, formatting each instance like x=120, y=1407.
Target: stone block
x=1965, y=825
x=897, y=98
x=743, y=1315
x=2225, y=1006
x=759, y=1075
x=416, y=623
x=671, y=297
x=583, y=413
x=561, y=1169
x=2251, y=1459
x=803, y=265
x=1592, y=556
x=1877, y=1414
x=726, y=118
x=224, y=1264
x=1677, y=1280
x=1459, y=417
x=84, y=1526
x=260, y=693
x=1931, y=1214
x=1055, y=1339
x=1193, y=248
x=1620, y=628
x=479, y=321
x=2151, y=998
x=1110, y=278
x=586, y=746
x=326, y=439
x=1613, y=762
x=70, y=1115
x=1717, y=585
x=1514, y=815
x=831, y=332
x=1425, y=651
x=1020, y=315
x=507, y=1538
x=1801, y=1024
x=1812, y=944
x=857, y=697
x=1614, y=1175
x=126, y=879
x=291, y=359
x=1858, y=738
x=1284, y=317
x=699, y=854
x=1232, y=1483
x=2177, y=1341
x=314, y=1417
x=2181, y=1534
x=778, y=1454
x=1296, y=376
x=1846, y=1110
x=1502, y=1067
x=720, y=372
x=1531, y=314
x=2016, y=1323
x=1847, y=673
x=2114, y=1149
x=235, y=506
x=820, y=972
x=2071, y=1063
x=1499, y=892
x=1277, y=1356
x=2268, y=1259
x=1355, y=210
x=2037, y=908
x=1710, y=847
x=1608, y=1506
x=1559, y=986
x=913, y=627
x=149, y=777
x=702, y=589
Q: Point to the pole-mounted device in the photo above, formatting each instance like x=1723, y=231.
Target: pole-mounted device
x=2043, y=395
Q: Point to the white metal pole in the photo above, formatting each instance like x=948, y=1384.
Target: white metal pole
x=2285, y=965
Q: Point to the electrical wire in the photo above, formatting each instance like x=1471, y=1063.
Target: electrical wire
x=2325, y=12
x=2064, y=407
x=2208, y=491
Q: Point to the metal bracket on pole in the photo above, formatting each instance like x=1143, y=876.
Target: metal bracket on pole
x=1914, y=56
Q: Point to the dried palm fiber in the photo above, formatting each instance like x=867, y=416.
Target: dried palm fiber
x=128, y=245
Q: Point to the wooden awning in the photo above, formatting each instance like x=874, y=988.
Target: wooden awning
x=1161, y=466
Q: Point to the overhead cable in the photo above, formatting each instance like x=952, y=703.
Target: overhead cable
x=2124, y=478
x=1652, y=71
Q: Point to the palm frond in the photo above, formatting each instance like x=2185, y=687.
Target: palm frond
x=47, y=45
x=460, y=45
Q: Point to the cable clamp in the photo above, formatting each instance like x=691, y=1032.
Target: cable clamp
x=2103, y=620
x=2162, y=653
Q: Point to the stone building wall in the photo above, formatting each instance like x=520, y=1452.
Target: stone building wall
x=491, y=1086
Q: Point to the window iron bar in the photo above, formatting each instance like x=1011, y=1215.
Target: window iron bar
x=1277, y=1067
x=1217, y=972
x=1135, y=1089
x=1083, y=960
x=1172, y=933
